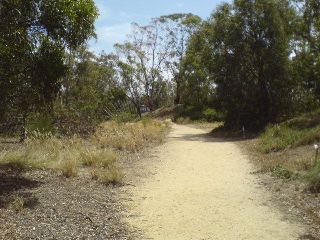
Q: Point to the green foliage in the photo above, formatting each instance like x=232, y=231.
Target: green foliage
x=195, y=113
x=125, y=117
x=314, y=178
x=281, y=172
x=256, y=91
x=34, y=36
x=211, y=115
x=42, y=123
x=71, y=21
x=192, y=112
x=304, y=130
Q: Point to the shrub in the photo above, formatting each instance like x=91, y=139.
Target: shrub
x=281, y=172
x=182, y=120
x=98, y=158
x=69, y=168
x=111, y=175
x=124, y=117
x=211, y=115
x=314, y=178
x=129, y=136
x=43, y=123
x=192, y=112
x=17, y=204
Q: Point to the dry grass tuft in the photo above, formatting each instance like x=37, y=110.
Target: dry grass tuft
x=98, y=158
x=130, y=137
x=43, y=152
x=112, y=175
x=17, y=204
x=69, y=168
x=69, y=155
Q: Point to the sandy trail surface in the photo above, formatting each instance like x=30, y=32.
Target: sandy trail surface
x=203, y=188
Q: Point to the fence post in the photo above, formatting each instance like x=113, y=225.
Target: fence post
x=316, y=147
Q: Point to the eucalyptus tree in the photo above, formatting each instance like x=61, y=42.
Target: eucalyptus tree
x=197, y=87
x=143, y=60
x=177, y=29
x=249, y=64
x=305, y=61
x=34, y=36
x=132, y=73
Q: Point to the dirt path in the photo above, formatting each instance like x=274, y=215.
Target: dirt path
x=202, y=188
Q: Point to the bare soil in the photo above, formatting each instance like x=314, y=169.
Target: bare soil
x=57, y=208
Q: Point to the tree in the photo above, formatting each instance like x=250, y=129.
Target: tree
x=94, y=85
x=196, y=84
x=306, y=64
x=249, y=61
x=34, y=36
x=132, y=74
x=177, y=29
x=142, y=64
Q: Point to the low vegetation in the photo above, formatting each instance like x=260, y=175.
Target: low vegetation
x=287, y=149
x=130, y=137
x=98, y=154
x=300, y=131
x=190, y=114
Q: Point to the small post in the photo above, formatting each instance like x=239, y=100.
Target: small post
x=316, y=147
x=243, y=132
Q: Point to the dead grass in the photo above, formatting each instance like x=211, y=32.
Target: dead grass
x=130, y=137
x=206, y=125
x=299, y=160
x=70, y=156
x=69, y=168
x=98, y=157
x=111, y=175
x=44, y=152
x=17, y=204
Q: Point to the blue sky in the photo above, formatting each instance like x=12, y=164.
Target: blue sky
x=116, y=16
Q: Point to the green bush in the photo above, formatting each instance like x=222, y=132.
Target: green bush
x=195, y=113
x=192, y=112
x=278, y=137
x=314, y=178
x=43, y=123
x=125, y=117
x=211, y=115
x=281, y=172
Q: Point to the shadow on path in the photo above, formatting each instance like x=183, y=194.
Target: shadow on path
x=13, y=183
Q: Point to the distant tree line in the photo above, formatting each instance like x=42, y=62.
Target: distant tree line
x=251, y=63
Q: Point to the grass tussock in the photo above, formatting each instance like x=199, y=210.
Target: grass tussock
x=314, y=178
x=130, y=137
x=111, y=175
x=44, y=151
x=17, y=204
x=69, y=168
x=99, y=155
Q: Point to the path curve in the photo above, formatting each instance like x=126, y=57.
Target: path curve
x=203, y=189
